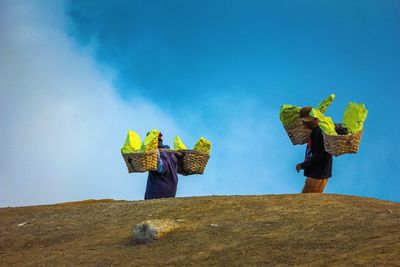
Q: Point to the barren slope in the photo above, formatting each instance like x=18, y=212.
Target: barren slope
x=302, y=229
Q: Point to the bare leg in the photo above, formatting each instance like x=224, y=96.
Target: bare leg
x=314, y=185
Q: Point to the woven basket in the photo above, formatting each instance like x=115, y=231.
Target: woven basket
x=141, y=161
x=297, y=133
x=342, y=144
x=192, y=162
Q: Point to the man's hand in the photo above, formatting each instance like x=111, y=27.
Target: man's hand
x=298, y=167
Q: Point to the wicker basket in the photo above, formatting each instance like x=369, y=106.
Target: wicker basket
x=297, y=133
x=342, y=144
x=141, y=161
x=192, y=162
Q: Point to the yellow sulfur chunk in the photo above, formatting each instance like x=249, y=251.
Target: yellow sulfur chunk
x=323, y=106
x=132, y=143
x=203, y=145
x=151, y=141
x=288, y=114
x=178, y=145
x=354, y=117
x=325, y=123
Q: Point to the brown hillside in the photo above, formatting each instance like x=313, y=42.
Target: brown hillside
x=301, y=229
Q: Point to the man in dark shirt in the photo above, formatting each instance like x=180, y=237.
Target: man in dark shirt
x=317, y=165
x=163, y=182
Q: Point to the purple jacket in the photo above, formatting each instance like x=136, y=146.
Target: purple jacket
x=163, y=182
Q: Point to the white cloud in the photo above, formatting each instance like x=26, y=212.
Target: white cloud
x=62, y=121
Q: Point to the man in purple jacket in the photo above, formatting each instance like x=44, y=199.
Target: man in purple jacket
x=317, y=165
x=163, y=182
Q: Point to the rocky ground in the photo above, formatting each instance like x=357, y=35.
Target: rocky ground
x=299, y=229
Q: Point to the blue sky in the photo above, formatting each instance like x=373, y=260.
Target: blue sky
x=76, y=75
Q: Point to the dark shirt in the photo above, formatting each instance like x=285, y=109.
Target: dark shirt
x=318, y=162
x=163, y=182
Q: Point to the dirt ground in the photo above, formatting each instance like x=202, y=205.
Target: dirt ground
x=272, y=230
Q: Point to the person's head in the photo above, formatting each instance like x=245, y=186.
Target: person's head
x=309, y=121
x=160, y=141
